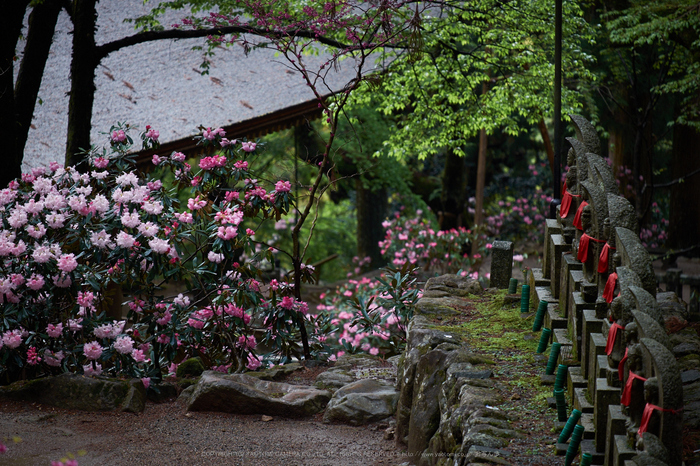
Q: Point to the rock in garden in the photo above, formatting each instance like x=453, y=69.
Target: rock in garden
x=73, y=391
x=243, y=394
x=191, y=367
x=362, y=402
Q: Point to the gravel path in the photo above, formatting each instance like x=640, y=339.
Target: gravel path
x=158, y=83
x=167, y=434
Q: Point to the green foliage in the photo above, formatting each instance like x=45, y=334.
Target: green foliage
x=437, y=93
x=671, y=28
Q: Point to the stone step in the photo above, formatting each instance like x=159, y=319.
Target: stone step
x=581, y=401
x=596, y=347
x=588, y=446
x=589, y=426
x=575, y=380
x=537, y=278
x=616, y=427
x=589, y=324
x=621, y=451
x=605, y=396
x=543, y=293
x=552, y=319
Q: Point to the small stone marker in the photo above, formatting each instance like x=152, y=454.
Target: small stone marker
x=501, y=264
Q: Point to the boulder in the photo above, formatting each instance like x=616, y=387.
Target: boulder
x=243, y=394
x=334, y=378
x=276, y=373
x=73, y=391
x=362, y=402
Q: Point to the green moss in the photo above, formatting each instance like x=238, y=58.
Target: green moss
x=190, y=367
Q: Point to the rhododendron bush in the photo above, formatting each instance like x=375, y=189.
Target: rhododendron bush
x=70, y=239
x=411, y=239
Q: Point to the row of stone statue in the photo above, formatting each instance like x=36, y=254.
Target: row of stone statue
x=604, y=282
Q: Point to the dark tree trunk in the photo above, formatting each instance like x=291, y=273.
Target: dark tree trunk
x=82, y=70
x=371, y=212
x=684, y=221
x=10, y=28
x=453, y=192
x=42, y=24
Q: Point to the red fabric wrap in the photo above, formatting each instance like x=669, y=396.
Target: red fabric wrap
x=621, y=366
x=577, y=218
x=627, y=391
x=612, y=334
x=583, y=248
x=609, y=289
x=604, y=258
x=646, y=416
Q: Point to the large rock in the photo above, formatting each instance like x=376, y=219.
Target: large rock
x=243, y=394
x=73, y=391
x=362, y=402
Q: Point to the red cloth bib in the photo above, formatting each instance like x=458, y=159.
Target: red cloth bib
x=566, y=199
x=604, y=258
x=627, y=391
x=621, y=366
x=577, y=218
x=611, y=338
x=609, y=289
x=583, y=248
x=646, y=416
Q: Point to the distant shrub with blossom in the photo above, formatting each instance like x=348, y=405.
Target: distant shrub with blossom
x=411, y=239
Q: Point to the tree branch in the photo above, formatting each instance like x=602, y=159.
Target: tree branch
x=109, y=47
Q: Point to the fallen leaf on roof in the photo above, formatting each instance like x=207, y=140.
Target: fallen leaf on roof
x=109, y=75
x=246, y=104
x=127, y=84
x=216, y=80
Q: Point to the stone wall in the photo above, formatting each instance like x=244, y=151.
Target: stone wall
x=446, y=412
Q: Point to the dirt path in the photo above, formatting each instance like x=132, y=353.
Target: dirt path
x=167, y=434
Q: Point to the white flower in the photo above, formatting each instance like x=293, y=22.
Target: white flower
x=158, y=245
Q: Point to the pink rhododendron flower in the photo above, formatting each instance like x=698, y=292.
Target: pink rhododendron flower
x=214, y=257
x=152, y=134
x=36, y=282
x=241, y=165
x=118, y=136
x=12, y=338
x=227, y=233
x=138, y=356
x=125, y=240
x=248, y=146
x=253, y=362
x=67, y=263
x=124, y=345
x=283, y=186
x=53, y=359
x=178, y=157
x=196, y=203
x=32, y=357
x=54, y=331
x=146, y=382
x=92, y=350
x=160, y=246
x=88, y=370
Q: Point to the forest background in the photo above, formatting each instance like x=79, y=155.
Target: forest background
x=458, y=119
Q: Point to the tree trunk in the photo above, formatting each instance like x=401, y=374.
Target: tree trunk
x=42, y=24
x=481, y=178
x=10, y=29
x=453, y=188
x=371, y=212
x=684, y=221
x=82, y=93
